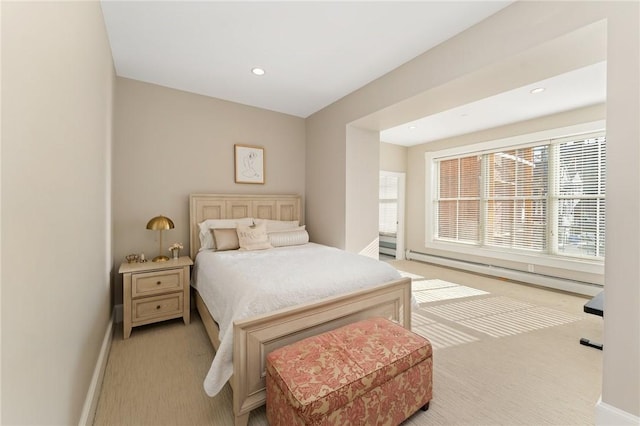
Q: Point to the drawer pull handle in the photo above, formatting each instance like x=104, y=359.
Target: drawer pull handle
x=159, y=282
x=158, y=307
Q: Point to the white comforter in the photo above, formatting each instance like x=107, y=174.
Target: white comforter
x=239, y=284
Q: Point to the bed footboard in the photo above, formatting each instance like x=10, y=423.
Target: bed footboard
x=255, y=337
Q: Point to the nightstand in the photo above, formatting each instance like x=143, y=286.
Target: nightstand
x=155, y=291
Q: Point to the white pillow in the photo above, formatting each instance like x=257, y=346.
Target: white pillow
x=253, y=238
x=294, y=237
x=278, y=225
x=206, y=238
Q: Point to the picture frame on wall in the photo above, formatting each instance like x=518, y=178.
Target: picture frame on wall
x=249, y=164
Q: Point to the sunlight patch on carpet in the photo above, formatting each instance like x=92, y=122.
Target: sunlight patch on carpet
x=440, y=335
x=414, y=277
x=521, y=321
x=476, y=308
x=431, y=284
x=501, y=316
x=448, y=293
x=437, y=290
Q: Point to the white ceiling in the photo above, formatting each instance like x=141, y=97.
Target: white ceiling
x=315, y=53
x=578, y=88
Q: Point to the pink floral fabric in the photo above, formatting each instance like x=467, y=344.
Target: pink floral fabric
x=369, y=372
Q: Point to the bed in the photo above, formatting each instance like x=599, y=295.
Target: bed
x=252, y=336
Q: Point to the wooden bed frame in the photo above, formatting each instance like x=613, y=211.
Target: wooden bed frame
x=255, y=337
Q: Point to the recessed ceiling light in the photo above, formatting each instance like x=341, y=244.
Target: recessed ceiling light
x=257, y=71
x=412, y=127
x=537, y=90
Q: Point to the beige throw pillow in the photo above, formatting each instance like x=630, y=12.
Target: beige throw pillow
x=226, y=239
x=255, y=238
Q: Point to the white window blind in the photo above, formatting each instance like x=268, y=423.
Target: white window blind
x=515, y=188
x=580, y=196
x=388, y=214
x=546, y=198
x=458, y=203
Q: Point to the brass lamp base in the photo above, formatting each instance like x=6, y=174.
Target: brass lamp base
x=160, y=259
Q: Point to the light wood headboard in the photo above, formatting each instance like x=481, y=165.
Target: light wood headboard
x=236, y=206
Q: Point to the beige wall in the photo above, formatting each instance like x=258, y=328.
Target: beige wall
x=393, y=158
x=485, y=60
x=169, y=143
x=57, y=83
x=621, y=356
x=325, y=178
x=362, y=191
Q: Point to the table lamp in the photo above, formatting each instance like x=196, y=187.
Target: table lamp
x=160, y=223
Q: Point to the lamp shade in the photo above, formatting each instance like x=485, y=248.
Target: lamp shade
x=160, y=223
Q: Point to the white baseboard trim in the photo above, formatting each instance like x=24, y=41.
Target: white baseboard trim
x=512, y=274
x=91, y=401
x=608, y=415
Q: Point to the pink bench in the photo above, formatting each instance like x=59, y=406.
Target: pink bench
x=372, y=372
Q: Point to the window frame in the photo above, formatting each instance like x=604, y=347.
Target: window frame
x=473, y=251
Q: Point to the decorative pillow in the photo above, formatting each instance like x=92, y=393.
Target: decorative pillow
x=253, y=238
x=226, y=239
x=277, y=225
x=206, y=237
x=294, y=237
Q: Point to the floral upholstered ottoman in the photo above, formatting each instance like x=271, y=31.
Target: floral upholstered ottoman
x=372, y=372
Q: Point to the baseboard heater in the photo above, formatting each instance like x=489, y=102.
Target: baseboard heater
x=572, y=286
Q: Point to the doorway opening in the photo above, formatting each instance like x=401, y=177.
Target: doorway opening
x=391, y=214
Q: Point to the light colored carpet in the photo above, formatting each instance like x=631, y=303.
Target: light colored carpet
x=504, y=354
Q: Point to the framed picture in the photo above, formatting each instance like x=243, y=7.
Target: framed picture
x=249, y=164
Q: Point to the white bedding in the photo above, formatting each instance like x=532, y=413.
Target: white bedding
x=240, y=284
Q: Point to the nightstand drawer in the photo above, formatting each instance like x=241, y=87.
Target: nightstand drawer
x=155, y=291
x=157, y=307
x=150, y=283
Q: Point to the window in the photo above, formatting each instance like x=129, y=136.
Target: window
x=459, y=199
x=388, y=214
x=580, y=195
x=515, y=191
x=546, y=198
